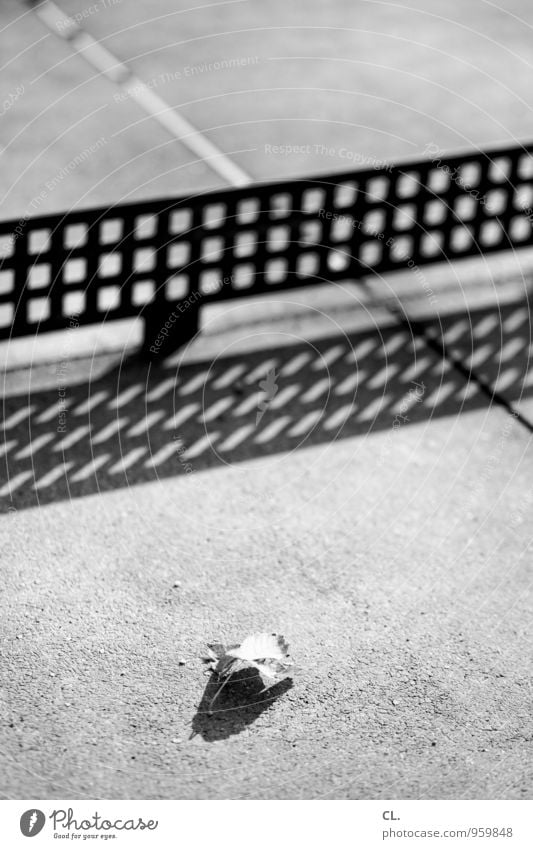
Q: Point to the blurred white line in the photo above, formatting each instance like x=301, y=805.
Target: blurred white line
x=53, y=476
x=118, y=73
x=7, y=446
x=306, y=424
x=161, y=389
x=273, y=429
x=17, y=417
x=126, y=396
x=161, y=456
x=218, y=407
x=90, y=403
x=339, y=417
x=200, y=446
x=53, y=411
x=109, y=430
x=34, y=446
x=181, y=416
x=236, y=438
x=15, y=482
x=127, y=461
x=90, y=468
x=73, y=437
x=146, y=423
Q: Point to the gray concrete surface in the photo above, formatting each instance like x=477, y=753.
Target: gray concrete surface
x=398, y=566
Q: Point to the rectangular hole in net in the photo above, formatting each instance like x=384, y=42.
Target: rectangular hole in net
x=374, y=222
x=431, y=244
x=402, y=249
x=178, y=254
x=38, y=309
x=307, y=265
x=500, y=169
x=340, y=259
x=145, y=226
x=110, y=265
x=276, y=271
x=525, y=167
x=438, y=180
x=496, y=201
x=461, y=239
x=278, y=238
x=313, y=200
x=75, y=270
x=310, y=233
x=177, y=287
x=73, y=303
x=180, y=221
x=408, y=184
x=144, y=259
x=470, y=174
x=371, y=253
x=75, y=236
x=108, y=298
x=7, y=245
x=214, y=215
x=39, y=276
x=281, y=205
x=142, y=292
x=405, y=216
x=490, y=234
x=243, y=276
x=39, y=241
x=342, y=228
x=465, y=208
x=7, y=312
x=435, y=212
x=247, y=210
x=212, y=249
x=210, y=282
x=7, y=281
x=111, y=231
x=520, y=229
x=345, y=195
x=377, y=189
x=245, y=243
x=523, y=199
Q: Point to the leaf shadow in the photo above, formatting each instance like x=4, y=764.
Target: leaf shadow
x=242, y=700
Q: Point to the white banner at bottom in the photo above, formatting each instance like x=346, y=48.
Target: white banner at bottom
x=261, y=824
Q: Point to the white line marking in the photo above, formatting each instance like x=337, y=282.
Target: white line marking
x=103, y=61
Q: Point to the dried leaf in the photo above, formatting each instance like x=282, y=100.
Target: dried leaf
x=268, y=653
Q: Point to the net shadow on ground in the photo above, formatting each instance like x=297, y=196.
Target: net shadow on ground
x=139, y=423
x=238, y=705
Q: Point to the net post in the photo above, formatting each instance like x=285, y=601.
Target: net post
x=167, y=329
